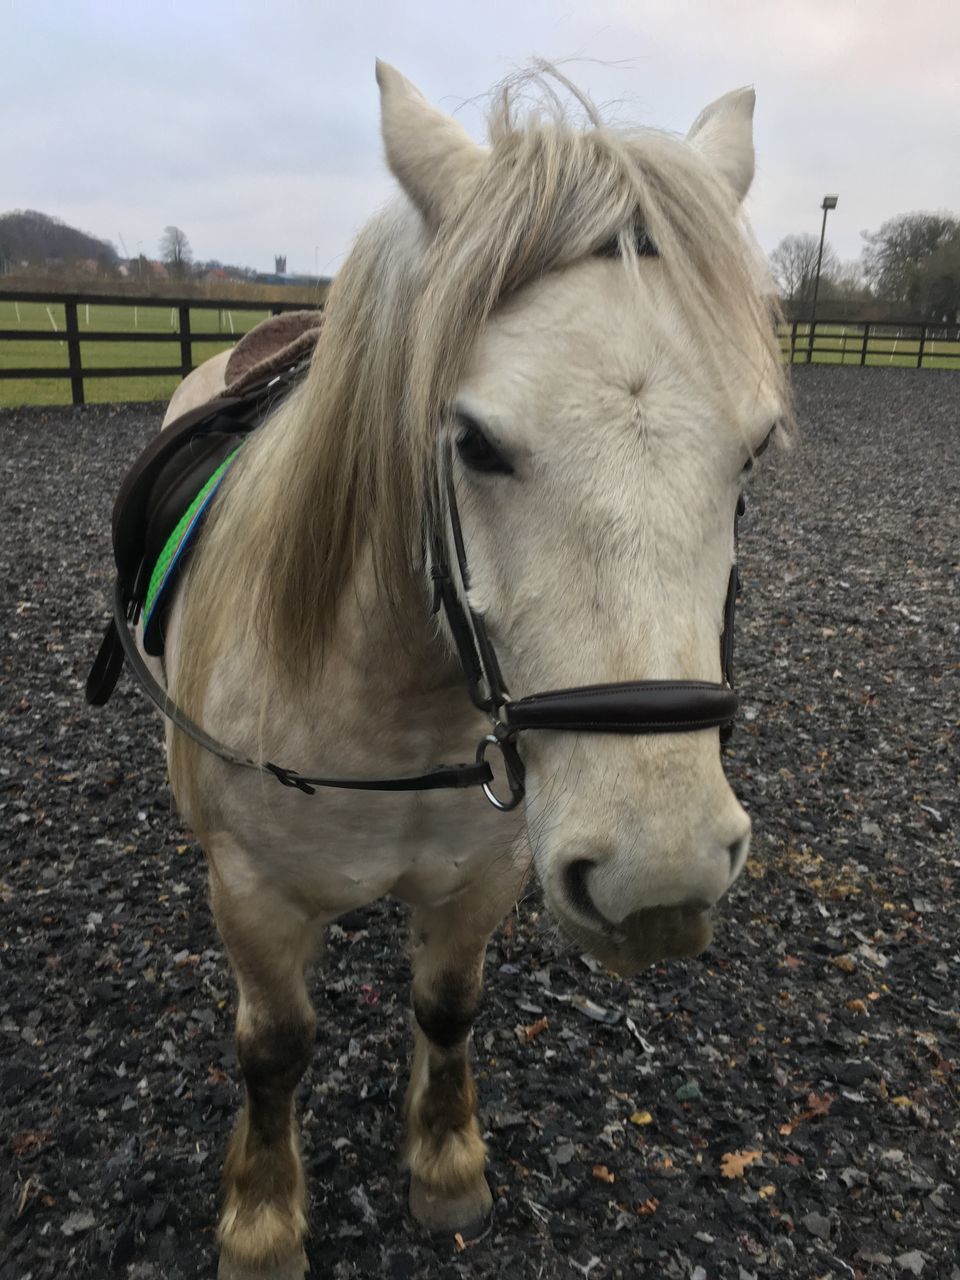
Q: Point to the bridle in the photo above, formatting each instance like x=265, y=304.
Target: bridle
x=631, y=707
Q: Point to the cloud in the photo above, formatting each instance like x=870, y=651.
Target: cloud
x=256, y=128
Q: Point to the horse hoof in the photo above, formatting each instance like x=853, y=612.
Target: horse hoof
x=294, y=1269
x=466, y=1212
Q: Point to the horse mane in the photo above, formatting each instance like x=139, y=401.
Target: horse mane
x=347, y=461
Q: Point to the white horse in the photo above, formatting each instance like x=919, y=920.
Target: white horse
x=601, y=403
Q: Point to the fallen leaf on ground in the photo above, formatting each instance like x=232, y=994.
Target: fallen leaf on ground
x=534, y=1029
x=649, y=1207
x=603, y=1174
x=816, y=1106
x=733, y=1163
x=641, y=1117
x=24, y=1144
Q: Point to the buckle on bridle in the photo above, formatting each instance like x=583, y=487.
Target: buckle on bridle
x=502, y=739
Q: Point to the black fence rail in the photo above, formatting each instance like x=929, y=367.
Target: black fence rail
x=908, y=343
x=74, y=337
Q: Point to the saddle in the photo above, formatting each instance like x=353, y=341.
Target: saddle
x=167, y=494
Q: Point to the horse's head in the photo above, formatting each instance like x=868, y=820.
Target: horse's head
x=602, y=426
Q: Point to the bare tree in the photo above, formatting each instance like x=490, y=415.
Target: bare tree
x=175, y=250
x=794, y=265
x=847, y=283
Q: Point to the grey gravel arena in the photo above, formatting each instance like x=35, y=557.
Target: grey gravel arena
x=784, y=1105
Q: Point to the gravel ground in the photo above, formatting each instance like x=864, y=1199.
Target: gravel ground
x=785, y=1105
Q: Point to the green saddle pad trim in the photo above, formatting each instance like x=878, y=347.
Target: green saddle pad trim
x=180, y=537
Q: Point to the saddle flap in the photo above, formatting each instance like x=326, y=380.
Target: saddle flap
x=132, y=509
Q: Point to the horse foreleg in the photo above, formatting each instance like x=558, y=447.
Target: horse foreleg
x=263, y=1222
x=445, y=1152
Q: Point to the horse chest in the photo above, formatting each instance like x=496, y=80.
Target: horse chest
x=338, y=852
x=339, y=849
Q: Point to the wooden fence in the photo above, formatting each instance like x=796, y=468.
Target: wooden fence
x=910, y=343
x=75, y=337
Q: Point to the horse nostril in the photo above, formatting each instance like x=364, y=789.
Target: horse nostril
x=738, y=855
x=575, y=882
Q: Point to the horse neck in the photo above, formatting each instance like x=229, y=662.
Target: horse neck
x=397, y=658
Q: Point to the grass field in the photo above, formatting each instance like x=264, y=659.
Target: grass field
x=885, y=348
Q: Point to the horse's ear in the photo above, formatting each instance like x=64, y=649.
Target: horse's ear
x=430, y=154
x=723, y=134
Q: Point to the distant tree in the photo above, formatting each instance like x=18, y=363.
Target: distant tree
x=847, y=283
x=913, y=259
x=794, y=265
x=940, y=283
x=175, y=251
x=27, y=236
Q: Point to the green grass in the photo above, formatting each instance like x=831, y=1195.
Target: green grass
x=884, y=349
x=93, y=355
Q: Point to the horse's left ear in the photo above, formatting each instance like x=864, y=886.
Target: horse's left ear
x=723, y=134
x=430, y=154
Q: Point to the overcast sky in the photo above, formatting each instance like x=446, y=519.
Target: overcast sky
x=253, y=124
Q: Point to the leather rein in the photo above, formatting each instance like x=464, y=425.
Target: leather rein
x=632, y=707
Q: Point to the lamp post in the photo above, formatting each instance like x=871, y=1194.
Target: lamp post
x=829, y=202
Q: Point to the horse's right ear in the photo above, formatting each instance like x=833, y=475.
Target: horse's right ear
x=723, y=134
x=430, y=154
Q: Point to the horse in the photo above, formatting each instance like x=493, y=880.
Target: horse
x=543, y=374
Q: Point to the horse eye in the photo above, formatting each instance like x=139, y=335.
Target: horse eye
x=476, y=451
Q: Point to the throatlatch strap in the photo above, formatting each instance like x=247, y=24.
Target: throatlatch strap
x=442, y=777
